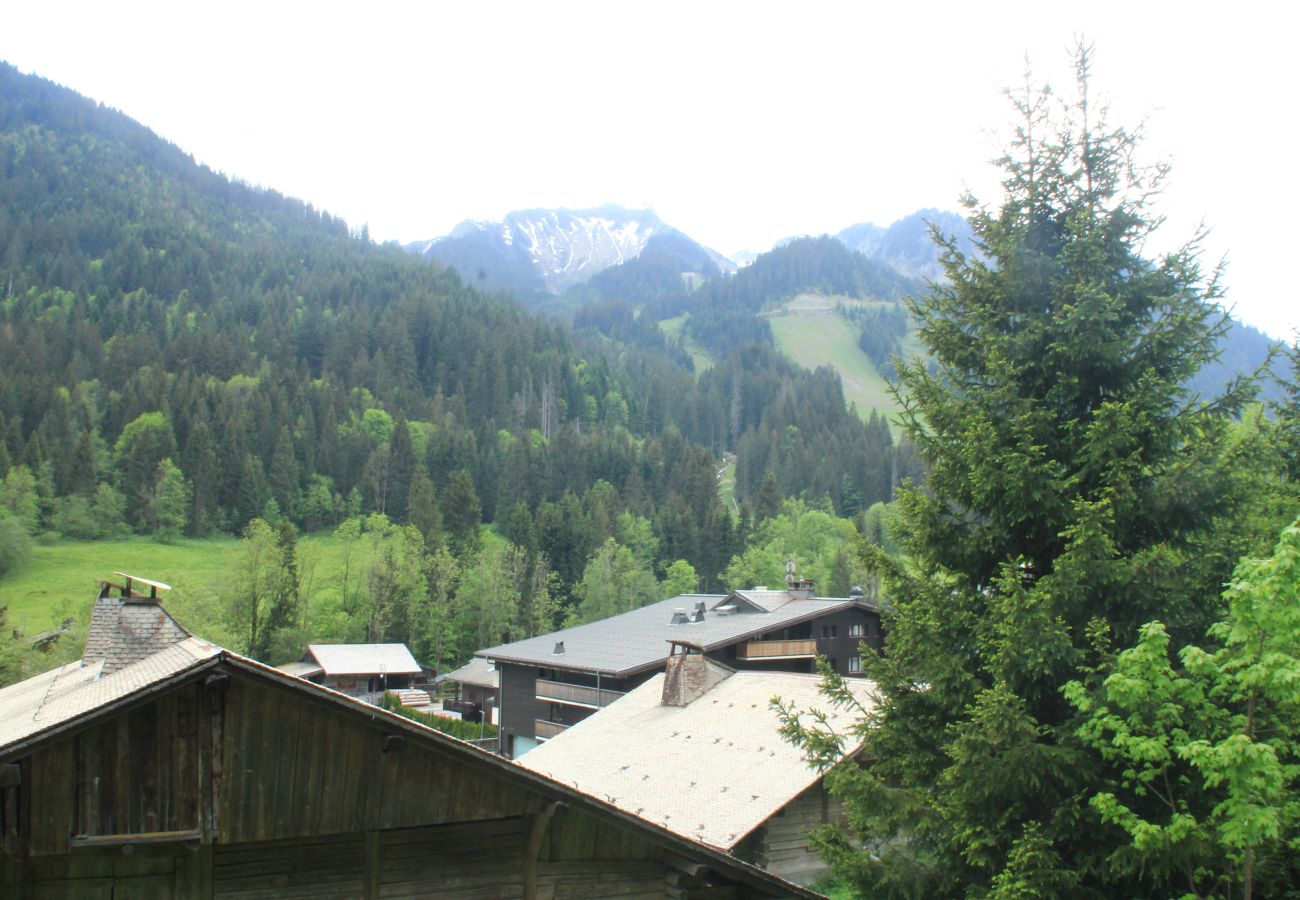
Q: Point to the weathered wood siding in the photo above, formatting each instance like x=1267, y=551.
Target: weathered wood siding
x=294, y=768
x=325, y=868
x=139, y=772
x=244, y=789
x=582, y=857
x=781, y=845
x=483, y=859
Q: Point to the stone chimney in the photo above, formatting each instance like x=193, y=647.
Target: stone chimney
x=689, y=674
x=126, y=628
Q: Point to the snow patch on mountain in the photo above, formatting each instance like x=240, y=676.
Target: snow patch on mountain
x=566, y=246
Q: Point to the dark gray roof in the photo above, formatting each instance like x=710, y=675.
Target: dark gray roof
x=477, y=672
x=638, y=640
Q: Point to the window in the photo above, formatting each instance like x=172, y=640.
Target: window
x=855, y=664
x=855, y=631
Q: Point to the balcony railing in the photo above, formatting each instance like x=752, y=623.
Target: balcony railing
x=575, y=694
x=543, y=729
x=778, y=649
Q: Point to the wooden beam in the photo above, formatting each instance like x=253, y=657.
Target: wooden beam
x=187, y=835
x=536, y=833
x=371, y=866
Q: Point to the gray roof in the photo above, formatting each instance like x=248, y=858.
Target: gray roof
x=763, y=599
x=638, y=640
x=301, y=669
x=713, y=770
x=363, y=659
x=58, y=697
x=476, y=671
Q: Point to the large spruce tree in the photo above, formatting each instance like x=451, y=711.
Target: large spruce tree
x=1075, y=491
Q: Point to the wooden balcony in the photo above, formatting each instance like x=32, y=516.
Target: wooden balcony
x=575, y=694
x=543, y=729
x=801, y=649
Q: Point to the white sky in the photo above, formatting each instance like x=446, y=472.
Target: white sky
x=739, y=122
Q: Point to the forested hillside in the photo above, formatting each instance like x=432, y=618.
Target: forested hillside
x=181, y=354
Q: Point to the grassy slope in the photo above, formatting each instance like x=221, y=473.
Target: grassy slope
x=61, y=579
x=674, y=329
x=812, y=336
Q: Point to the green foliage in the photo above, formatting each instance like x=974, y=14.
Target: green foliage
x=614, y=582
x=457, y=728
x=679, y=579
x=15, y=543
x=18, y=497
x=462, y=514
x=169, y=502
x=813, y=538
x=1208, y=753
x=144, y=443
x=1075, y=490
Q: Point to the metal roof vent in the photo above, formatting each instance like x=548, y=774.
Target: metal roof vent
x=728, y=610
x=559, y=648
x=697, y=615
x=679, y=617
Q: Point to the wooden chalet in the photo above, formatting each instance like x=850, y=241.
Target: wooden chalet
x=697, y=750
x=161, y=765
x=361, y=670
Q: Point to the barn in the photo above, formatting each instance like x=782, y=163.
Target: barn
x=161, y=765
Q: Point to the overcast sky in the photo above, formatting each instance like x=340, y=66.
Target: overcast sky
x=738, y=123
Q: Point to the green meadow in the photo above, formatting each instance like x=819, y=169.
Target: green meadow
x=62, y=578
x=819, y=337
x=675, y=328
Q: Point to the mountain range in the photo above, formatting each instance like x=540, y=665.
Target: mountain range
x=550, y=250
x=534, y=252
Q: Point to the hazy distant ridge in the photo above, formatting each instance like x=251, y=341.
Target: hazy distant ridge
x=563, y=247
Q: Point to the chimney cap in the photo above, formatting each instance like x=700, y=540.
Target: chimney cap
x=128, y=588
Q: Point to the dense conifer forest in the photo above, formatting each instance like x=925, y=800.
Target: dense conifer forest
x=1084, y=532
x=183, y=355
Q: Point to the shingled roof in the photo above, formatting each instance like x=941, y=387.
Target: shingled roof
x=363, y=659
x=126, y=629
x=712, y=770
x=57, y=698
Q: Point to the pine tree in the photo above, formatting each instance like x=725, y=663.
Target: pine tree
x=422, y=508
x=1075, y=490
x=461, y=514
